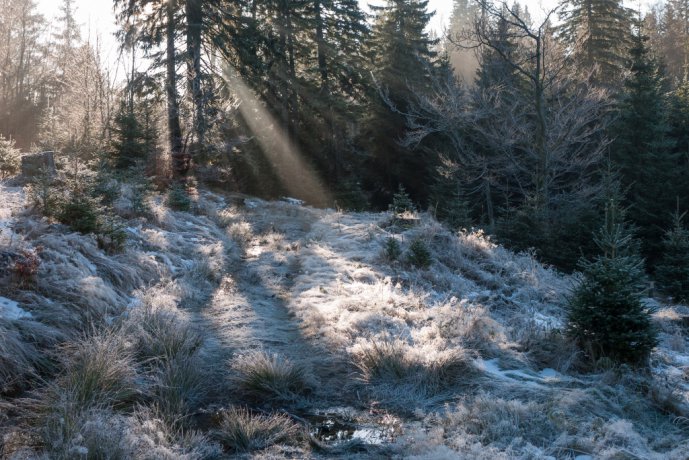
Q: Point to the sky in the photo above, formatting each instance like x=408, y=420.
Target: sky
x=97, y=18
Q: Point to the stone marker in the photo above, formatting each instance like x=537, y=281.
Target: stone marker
x=35, y=164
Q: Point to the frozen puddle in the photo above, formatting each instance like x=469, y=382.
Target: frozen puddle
x=9, y=309
x=339, y=425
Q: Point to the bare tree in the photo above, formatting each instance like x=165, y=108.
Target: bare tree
x=538, y=144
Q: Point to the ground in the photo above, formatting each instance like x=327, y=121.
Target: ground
x=275, y=330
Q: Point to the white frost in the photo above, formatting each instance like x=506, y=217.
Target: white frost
x=9, y=309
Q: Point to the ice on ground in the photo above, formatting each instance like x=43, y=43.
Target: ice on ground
x=9, y=309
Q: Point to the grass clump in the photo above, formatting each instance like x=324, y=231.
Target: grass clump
x=161, y=335
x=17, y=359
x=262, y=376
x=243, y=431
x=394, y=362
x=97, y=374
x=99, y=371
x=179, y=388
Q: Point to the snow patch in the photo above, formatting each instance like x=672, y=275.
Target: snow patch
x=9, y=309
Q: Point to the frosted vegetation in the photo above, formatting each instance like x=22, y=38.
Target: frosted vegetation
x=238, y=327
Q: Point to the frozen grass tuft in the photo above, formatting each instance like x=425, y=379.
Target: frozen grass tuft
x=179, y=387
x=262, y=376
x=499, y=421
x=17, y=359
x=243, y=431
x=161, y=335
x=97, y=374
x=98, y=371
x=398, y=369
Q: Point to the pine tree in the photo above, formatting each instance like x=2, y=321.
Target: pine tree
x=403, y=63
x=606, y=317
x=678, y=119
x=462, y=23
x=642, y=150
x=672, y=272
x=134, y=133
x=9, y=157
x=599, y=33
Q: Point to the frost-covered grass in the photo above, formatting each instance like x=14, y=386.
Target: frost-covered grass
x=265, y=377
x=240, y=430
x=274, y=307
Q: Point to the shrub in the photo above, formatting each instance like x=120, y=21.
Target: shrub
x=605, y=314
x=46, y=197
x=242, y=431
x=25, y=266
x=419, y=255
x=263, y=376
x=9, y=157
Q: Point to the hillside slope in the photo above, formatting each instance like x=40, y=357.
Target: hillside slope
x=275, y=330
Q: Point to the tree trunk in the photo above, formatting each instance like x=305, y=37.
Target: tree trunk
x=194, y=15
x=180, y=159
x=320, y=41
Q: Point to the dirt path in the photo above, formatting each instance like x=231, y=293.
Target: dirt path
x=248, y=308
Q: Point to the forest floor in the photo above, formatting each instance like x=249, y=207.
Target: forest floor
x=275, y=330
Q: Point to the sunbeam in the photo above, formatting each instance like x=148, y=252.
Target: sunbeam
x=295, y=174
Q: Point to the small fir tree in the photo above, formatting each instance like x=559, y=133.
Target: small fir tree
x=606, y=316
x=672, y=272
x=9, y=157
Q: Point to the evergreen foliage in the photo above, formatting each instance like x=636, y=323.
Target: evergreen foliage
x=678, y=120
x=178, y=198
x=403, y=64
x=9, y=157
x=606, y=317
x=418, y=254
x=672, y=272
x=134, y=135
x=393, y=251
x=642, y=150
x=599, y=33
x=401, y=202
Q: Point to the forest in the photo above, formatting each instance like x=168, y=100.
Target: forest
x=491, y=217
x=525, y=128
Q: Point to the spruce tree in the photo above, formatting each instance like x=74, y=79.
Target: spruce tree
x=606, y=317
x=403, y=63
x=599, y=33
x=678, y=118
x=462, y=23
x=642, y=151
x=672, y=272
